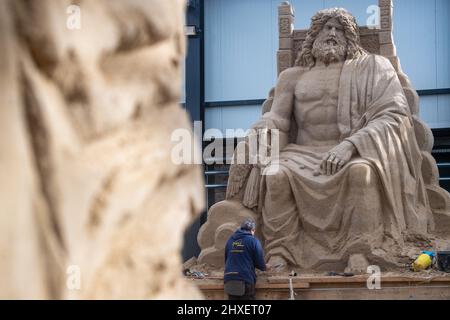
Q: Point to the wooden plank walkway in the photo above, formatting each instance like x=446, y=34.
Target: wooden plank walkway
x=403, y=287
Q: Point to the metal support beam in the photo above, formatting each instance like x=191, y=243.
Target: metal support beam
x=194, y=69
x=234, y=103
x=431, y=92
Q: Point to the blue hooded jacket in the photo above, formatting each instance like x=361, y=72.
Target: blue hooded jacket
x=243, y=253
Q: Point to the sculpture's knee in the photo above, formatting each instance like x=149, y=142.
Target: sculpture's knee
x=277, y=181
x=361, y=175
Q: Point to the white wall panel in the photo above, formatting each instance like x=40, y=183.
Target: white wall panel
x=443, y=111
x=415, y=38
x=443, y=43
x=428, y=109
x=213, y=118
x=240, y=49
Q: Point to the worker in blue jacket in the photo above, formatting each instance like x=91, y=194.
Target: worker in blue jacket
x=243, y=253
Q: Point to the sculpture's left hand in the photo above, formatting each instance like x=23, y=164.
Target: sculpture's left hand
x=337, y=157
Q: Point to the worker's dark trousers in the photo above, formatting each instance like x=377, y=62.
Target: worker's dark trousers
x=249, y=293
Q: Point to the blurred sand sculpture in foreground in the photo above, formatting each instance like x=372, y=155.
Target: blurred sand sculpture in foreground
x=87, y=180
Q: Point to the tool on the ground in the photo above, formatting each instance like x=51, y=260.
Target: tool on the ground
x=343, y=274
x=194, y=274
x=423, y=261
x=291, y=287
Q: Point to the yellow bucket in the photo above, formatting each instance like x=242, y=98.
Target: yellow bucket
x=422, y=262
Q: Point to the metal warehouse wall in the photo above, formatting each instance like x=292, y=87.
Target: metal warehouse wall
x=241, y=43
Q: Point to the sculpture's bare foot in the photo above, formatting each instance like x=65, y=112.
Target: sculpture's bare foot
x=277, y=264
x=357, y=264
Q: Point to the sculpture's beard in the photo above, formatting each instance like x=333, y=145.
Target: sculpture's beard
x=329, y=51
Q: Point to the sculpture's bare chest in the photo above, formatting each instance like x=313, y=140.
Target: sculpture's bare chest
x=317, y=84
x=316, y=101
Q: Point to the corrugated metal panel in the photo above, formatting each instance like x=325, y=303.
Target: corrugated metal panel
x=428, y=109
x=443, y=111
x=421, y=32
x=238, y=117
x=213, y=118
x=435, y=110
x=240, y=49
x=415, y=37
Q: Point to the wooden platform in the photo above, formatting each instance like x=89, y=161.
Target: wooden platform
x=338, y=287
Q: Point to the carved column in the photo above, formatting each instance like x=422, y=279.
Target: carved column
x=285, y=30
x=387, y=47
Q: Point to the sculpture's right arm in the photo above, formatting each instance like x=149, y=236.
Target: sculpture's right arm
x=279, y=116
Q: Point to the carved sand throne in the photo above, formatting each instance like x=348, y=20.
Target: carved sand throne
x=224, y=217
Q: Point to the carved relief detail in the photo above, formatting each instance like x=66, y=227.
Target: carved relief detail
x=284, y=60
x=285, y=25
x=385, y=22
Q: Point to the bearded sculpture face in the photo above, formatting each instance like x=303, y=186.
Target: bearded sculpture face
x=330, y=44
x=333, y=36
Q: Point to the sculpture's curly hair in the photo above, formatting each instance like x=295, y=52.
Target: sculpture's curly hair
x=306, y=59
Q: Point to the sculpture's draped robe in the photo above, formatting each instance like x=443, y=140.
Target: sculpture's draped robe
x=335, y=216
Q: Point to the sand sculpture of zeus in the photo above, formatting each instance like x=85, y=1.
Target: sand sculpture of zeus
x=353, y=123
x=349, y=182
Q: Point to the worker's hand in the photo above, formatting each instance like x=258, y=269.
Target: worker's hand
x=268, y=267
x=337, y=157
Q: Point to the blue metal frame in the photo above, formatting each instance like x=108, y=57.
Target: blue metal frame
x=431, y=92
x=194, y=81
